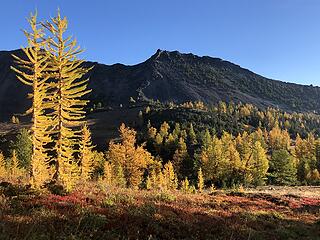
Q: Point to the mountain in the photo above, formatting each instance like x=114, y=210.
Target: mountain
x=170, y=76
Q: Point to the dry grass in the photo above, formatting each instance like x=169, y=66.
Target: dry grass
x=300, y=191
x=95, y=211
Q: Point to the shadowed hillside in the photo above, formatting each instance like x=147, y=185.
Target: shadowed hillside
x=170, y=76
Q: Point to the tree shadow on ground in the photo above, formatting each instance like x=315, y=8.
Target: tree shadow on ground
x=151, y=221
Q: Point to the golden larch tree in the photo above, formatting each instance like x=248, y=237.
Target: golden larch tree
x=86, y=154
x=129, y=157
x=32, y=71
x=170, y=178
x=67, y=72
x=107, y=173
x=3, y=167
x=200, y=180
x=185, y=185
x=15, y=170
x=258, y=164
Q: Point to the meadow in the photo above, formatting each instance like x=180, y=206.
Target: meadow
x=96, y=211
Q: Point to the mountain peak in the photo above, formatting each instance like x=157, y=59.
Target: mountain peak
x=165, y=55
x=170, y=76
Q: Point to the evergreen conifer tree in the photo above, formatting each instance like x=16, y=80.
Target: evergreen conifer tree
x=192, y=135
x=180, y=156
x=283, y=168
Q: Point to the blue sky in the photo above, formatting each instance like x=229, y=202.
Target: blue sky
x=279, y=39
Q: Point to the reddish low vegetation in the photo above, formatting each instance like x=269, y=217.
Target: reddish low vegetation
x=98, y=212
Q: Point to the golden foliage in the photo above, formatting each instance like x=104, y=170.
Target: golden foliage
x=200, y=180
x=108, y=176
x=279, y=139
x=119, y=179
x=131, y=158
x=15, y=170
x=32, y=72
x=3, y=167
x=185, y=185
x=66, y=72
x=87, y=156
x=170, y=178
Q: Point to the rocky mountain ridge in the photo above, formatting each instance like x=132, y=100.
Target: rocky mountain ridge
x=170, y=76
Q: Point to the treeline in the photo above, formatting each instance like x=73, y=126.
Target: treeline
x=233, y=118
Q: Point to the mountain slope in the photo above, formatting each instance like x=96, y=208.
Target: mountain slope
x=170, y=76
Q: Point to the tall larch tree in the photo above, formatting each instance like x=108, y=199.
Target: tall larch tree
x=67, y=73
x=32, y=72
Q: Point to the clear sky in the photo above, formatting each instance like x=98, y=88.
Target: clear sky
x=279, y=39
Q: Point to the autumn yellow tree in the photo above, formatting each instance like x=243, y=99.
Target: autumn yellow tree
x=86, y=154
x=164, y=129
x=153, y=180
x=192, y=135
x=3, y=167
x=185, y=185
x=128, y=156
x=69, y=88
x=200, y=180
x=279, y=139
x=210, y=157
x=15, y=170
x=258, y=164
x=306, y=154
x=119, y=179
x=170, y=177
x=230, y=163
x=32, y=70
